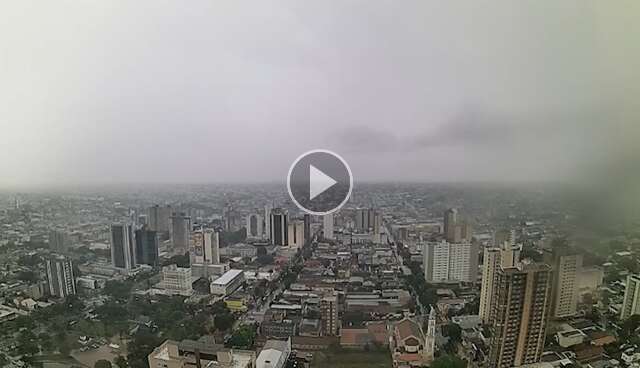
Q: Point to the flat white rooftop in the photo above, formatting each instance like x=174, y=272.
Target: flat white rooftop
x=227, y=277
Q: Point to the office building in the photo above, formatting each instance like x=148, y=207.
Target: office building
x=327, y=228
x=232, y=219
x=146, y=247
x=505, y=256
x=206, y=246
x=631, y=302
x=159, y=218
x=60, y=278
x=455, y=229
x=447, y=262
x=205, y=253
x=180, y=232
x=307, y=228
x=566, y=264
x=279, y=227
x=58, y=241
x=254, y=226
x=377, y=228
x=267, y=221
x=365, y=219
x=329, y=314
x=295, y=235
x=519, y=317
x=176, y=280
x=123, y=253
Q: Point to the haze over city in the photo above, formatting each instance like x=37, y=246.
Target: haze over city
x=164, y=92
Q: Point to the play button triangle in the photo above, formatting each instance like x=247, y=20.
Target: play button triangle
x=318, y=182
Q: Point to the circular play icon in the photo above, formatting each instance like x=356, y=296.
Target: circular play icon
x=319, y=182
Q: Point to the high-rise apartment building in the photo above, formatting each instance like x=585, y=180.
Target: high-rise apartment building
x=447, y=262
x=327, y=228
x=60, y=278
x=295, y=236
x=631, y=302
x=507, y=255
x=566, y=264
x=329, y=314
x=519, y=316
x=430, y=338
x=279, y=226
x=180, y=232
x=146, y=246
x=123, y=253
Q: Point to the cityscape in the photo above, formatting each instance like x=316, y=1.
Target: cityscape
x=320, y=184
x=404, y=275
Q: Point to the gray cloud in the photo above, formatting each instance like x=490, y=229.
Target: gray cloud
x=416, y=90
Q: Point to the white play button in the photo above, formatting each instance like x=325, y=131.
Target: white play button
x=318, y=182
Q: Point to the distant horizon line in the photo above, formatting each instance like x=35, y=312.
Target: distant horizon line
x=138, y=185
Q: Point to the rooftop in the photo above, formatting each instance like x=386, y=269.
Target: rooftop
x=227, y=277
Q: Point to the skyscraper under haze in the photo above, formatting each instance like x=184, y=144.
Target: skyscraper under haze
x=327, y=221
x=123, y=253
x=146, y=246
x=60, y=278
x=447, y=262
x=205, y=253
x=519, y=316
x=295, y=236
x=631, y=302
x=307, y=228
x=365, y=218
x=159, y=218
x=254, y=225
x=506, y=255
x=566, y=264
x=279, y=227
x=455, y=229
x=180, y=232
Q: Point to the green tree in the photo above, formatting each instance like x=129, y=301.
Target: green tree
x=223, y=322
x=448, y=361
x=121, y=362
x=243, y=337
x=102, y=363
x=141, y=346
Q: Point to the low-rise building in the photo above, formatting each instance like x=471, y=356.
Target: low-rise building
x=201, y=353
x=274, y=354
x=227, y=283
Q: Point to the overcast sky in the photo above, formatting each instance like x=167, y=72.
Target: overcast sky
x=210, y=91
